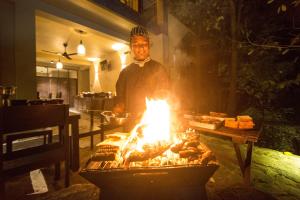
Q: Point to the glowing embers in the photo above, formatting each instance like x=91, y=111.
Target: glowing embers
x=153, y=142
x=154, y=126
x=151, y=137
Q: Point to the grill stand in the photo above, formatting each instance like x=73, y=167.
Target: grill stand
x=155, y=193
x=174, y=183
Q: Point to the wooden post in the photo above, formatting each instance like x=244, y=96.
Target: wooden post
x=65, y=133
x=2, y=184
x=75, y=144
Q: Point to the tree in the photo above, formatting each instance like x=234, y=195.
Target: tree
x=255, y=47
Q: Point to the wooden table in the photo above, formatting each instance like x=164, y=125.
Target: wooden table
x=74, y=143
x=238, y=137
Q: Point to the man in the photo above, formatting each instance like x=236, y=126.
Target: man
x=144, y=78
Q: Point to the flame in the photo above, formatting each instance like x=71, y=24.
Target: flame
x=154, y=127
x=156, y=121
x=152, y=142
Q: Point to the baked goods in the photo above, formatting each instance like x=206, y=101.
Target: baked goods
x=244, y=118
x=208, y=122
x=217, y=114
x=242, y=122
x=246, y=125
x=231, y=123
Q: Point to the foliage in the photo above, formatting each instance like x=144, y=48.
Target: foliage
x=268, y=51
x=280, y=137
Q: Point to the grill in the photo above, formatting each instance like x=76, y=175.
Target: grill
x=154, y=161
x=164, y=182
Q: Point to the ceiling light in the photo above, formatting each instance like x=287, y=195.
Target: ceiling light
x=118, y=46
x=81, y=49
x=59, y=65
x=95, y=59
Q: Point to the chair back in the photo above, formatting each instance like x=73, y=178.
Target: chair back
x=22, y=118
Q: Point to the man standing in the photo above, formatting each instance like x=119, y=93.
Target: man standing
x=144, y=78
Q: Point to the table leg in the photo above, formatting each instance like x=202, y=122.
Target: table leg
x=239, y=156
x=67, y=154
x=245, y=166
x=75, y=145
x=91, y=128
x=101, y=128
x=91, y=119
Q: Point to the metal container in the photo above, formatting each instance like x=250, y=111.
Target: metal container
x=175, y=182
x=115, y=120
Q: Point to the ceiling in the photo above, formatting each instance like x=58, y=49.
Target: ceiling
x=51, y=34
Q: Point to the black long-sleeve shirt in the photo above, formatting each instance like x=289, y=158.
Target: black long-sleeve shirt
x=135, y=83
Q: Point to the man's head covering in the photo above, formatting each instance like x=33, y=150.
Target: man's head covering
x=139, y=31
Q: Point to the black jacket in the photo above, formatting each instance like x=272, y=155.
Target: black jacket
x=135, y=83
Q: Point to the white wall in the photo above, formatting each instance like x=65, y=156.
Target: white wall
x=156, y=51
x=83, y=81
x=108, y=78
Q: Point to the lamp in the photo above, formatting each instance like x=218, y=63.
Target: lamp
x=59, y=64
x=118, y=46
x=81, y=49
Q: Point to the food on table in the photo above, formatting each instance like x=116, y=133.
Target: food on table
x=206, y=122
x=244, y=118
x=231, y=123
x=229, y=119
x=246, y=125
x=217, y=114
x=242, y=122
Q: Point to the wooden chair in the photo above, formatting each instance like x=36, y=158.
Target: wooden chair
x=30, y=118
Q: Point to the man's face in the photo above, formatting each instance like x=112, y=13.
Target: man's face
x=140, y=47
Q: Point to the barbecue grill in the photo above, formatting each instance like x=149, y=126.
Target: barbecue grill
x=178, y=182
x=153, y=161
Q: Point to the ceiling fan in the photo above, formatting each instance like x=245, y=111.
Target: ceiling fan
x=65, y=54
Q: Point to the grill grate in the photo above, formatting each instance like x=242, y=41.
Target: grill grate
x=111, y=165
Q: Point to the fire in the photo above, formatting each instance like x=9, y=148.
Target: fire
x=152, y=143
x=153, y=131
x=155, y=123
